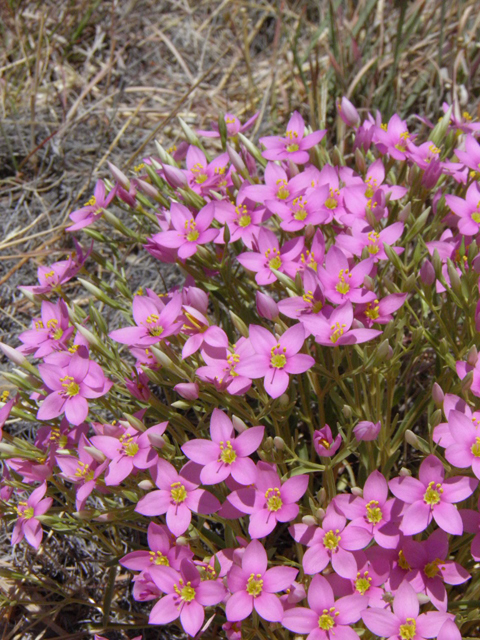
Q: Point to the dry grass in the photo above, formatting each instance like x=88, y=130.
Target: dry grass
x=86, y=81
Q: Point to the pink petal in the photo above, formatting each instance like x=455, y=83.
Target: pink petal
x=276, y=382
x=269, y=607
x=51, y=407
x=278, y=578
x=315, y=559
x=262, y=523
x=239, y=606
x=343, y=563
x=178, y=519
x=458, y=488
x=300, y=620
x=254, y=559
x=164, y=611
x=192, y=616
x=244, y=471
x=261, y=339
x=407, y=489
x=381, y=622
x=294, y=488
x=154, y=503
x=33, y=532
x=249, y=441
x=202, y=501
x=431, y=470
x=350, y=609
x=210, y=592
x=447, y=517
x=76, y=409
x=416, y=518
x=405, y=603
x=221, y=427
x=201, y=451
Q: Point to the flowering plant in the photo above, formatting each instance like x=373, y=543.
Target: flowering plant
x=292, y=429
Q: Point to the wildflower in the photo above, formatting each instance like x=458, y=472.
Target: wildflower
x=277, y=187
x=276, y=359
x=334, y=328
x=127, y=450
x=295, y=145
x=464, y=451
x=342, y=283
x=162, y=553
x=432, y=497
x=364, y=237
x=471, y=522
x=347, y=112
x=93, y=209
x=367, y=431
x=380, y=311
x=254, y=587
x=203, y=176
x=467, y=209
x=233, y=126
x=154, y=321
x=177, y=498
x=302, y=210
x=393, y=137
x=242, y=220
x=270, y=256
x=310, y=304
x=49, y=333
x=189, y=230
x=471, y=156
x=405, y=623
x=327, y=618
x=333, y=542
x=71, y=386
x=266, y=306
x=186, y=596
x=224, y=454
x=269, y=501
x=28, y=525
x=221, y=365
x=200, y=332
x=324, y=443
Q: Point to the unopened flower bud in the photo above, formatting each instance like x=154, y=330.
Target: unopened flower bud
x=237, y=161
x=310, y=521
x=279, y=443
x=188, y=390
x=438, y=395
x=320, y=514
x=238, y=424
x=405, y=213
x=348, y=113
x=357, y=491
x=476, y=264
x=472, y=356
x=156, y=440
x=467, y=381
x=427, y=273
x=321, y=495
x=174, y=176
x=12, y=354
x=437, y=263
x=239, y=325
x=145, y=485
x=454, y=278
x=347, y=411
x=266, y=306
x=268, y=444
x=404, y=472
x=236, y=179
x=410, y=283
x=95, y=453
x=119, y=176
x=360, y=161
x=367, y=431
x=181, y=541
x=283, y=400
x=412, y=439
x=382, y=352
x=436, y=418
x=148, y=189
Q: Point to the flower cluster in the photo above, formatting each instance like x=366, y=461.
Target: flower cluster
x=271, y=426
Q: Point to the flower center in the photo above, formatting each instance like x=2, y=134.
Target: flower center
x=84, y=471
x=24, y=511
x=91, y=203
x=402, y=562
x=374, y=513
x=363, y=584
x=476, y=217
x=408, y=630
x=178, y=492
x=228, y=454
x=338, y=330
x=373, y=312
x=432, y=494
x=190, y=228
x=293, y=137
x=331, y=539
x=373, y=238
x=255, y=585
x=431, y=569
x=343, y=287
x=476, y=447
x=326, y=621
x=311, y=260
x=331, y=202
x=157, y=557
x=278, y=360
x=282, y=193
x=245, y=221
x=185, y=591
x=70, y=386
x=274, y=501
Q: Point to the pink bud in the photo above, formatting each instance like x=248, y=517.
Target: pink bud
x=476, y=264
x=95, y=453
x=357, y=491
x=238, y=424
x=367, y=431
x=437, y=395
x=12, y=354
x=174, y=176
x=427, y=273
x=119, y=176
x=266, y=306
x=188, y=390
x=236, y=160
x=348, y=113
x=148, y=189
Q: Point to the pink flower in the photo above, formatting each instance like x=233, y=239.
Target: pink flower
x=405, y=623
x=347, y=112
x=467, y=209
x=83, y=471
x=392, y=138
x=310, y=304
x=202, y=175
x=188, y=390
x=200, y=332
x=277, y=188
x=432, y=498
x=177, y=497
x=225, y=455
x=186, y=596
x=297, y=213
x=294, y=146
x=333, y=329
x=71, y=385
x=220, y=369
x=333, y=542
x=324, y=443
x=380, y=311
x=93, y=209
x=129, y=449
x=367, y=431
x=271, y=256
x=327, y=618
x=471, y=156
x=430, y=569
x=233, y=126
x=243, y=222
x=269, y=501
x=154, y=321
x=27, y=524
x=50, y=333
x=266, y=306
x=275, y=359
x=189, y=231
x=162, y=552
x=254, y=587
x=374, y=511
x=471, y=521
x=340, y=283
x=364, y=237
x=464, y=451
